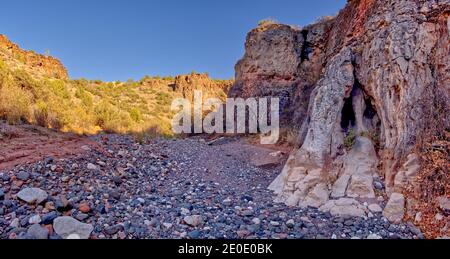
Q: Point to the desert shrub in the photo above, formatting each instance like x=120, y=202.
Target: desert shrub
x=57, y=121
x=83, y=121
x=85, y=97
x=350, y=139
x=267, y=22
x=40, y=113
x=163, y=98
x=168, y=78
x=23, y=80
x=15, y=104
x=136, y=114
x=289, y=136
x=111, y=119
x=144, y=135
x=56, y=87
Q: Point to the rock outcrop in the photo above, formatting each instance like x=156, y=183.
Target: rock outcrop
x=187, y=84
x=270, y=65
x=36, y=64
x=365, y=89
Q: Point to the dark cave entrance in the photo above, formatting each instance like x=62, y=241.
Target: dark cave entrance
x=348, y=118
x=370, y=111
x=360, y=117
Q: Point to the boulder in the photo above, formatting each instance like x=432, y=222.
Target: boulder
x=37, y=232
x=375, y=208
x=69, y=227
x=395, y=208
x=32, y=195
x=344, y=207
x=194, y=220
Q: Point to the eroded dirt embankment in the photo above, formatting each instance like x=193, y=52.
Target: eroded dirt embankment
x=25, y=144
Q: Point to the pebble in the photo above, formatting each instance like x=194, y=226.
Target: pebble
x=256, y=221
x=49, y=218
x=84, y=207
x=36, y=219
x=62, y=204
x=173, y=187
x=37, y=232
x=23, y=176
x=194, y=234
x=15, y=223
x=32, y=195
x=274, y=223
x=91, y=167
x=290, y=223
x=193, y=221
x=168, y=225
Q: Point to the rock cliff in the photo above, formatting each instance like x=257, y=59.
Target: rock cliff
x=187, y=84
x=33, y=63
x=366, y=89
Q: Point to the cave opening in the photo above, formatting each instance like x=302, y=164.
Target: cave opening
x=370, y=111
x=307, y=47
x=348, y=117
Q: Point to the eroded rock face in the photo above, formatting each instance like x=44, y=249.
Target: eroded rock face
x=36, y=64
x=269, y=67
x=187, y=84
x=364, y=88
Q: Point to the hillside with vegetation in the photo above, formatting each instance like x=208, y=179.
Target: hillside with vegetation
x=36, y=89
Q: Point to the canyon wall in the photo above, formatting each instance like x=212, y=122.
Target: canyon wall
x=365, y=89
x=36, y=64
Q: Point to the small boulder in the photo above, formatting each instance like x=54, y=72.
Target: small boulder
x=194, y=220
x=68, y=227
x=84, y=207
x=444, y=204
x=62, y=204
x=375, y=208
x=37, y=232
x=36, y=219
x=395, y=208
x=49, y=218
x=91, y=167
x=32, y=195
x=23, y=176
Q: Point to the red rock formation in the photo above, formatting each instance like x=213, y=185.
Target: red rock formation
x=376, y=75
x=187, y=84
x=36, y=64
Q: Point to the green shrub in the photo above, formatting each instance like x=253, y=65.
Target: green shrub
x=350, y=139
x=136, y=115
x=85, y=97
x=111, y=119
x=23, y=80
x=57, y=87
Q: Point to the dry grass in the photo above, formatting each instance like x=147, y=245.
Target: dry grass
x=14, y=104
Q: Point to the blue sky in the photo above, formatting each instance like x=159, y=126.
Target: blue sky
x=119, y=39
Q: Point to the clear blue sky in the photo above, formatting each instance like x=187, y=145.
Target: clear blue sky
x=119, y=39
